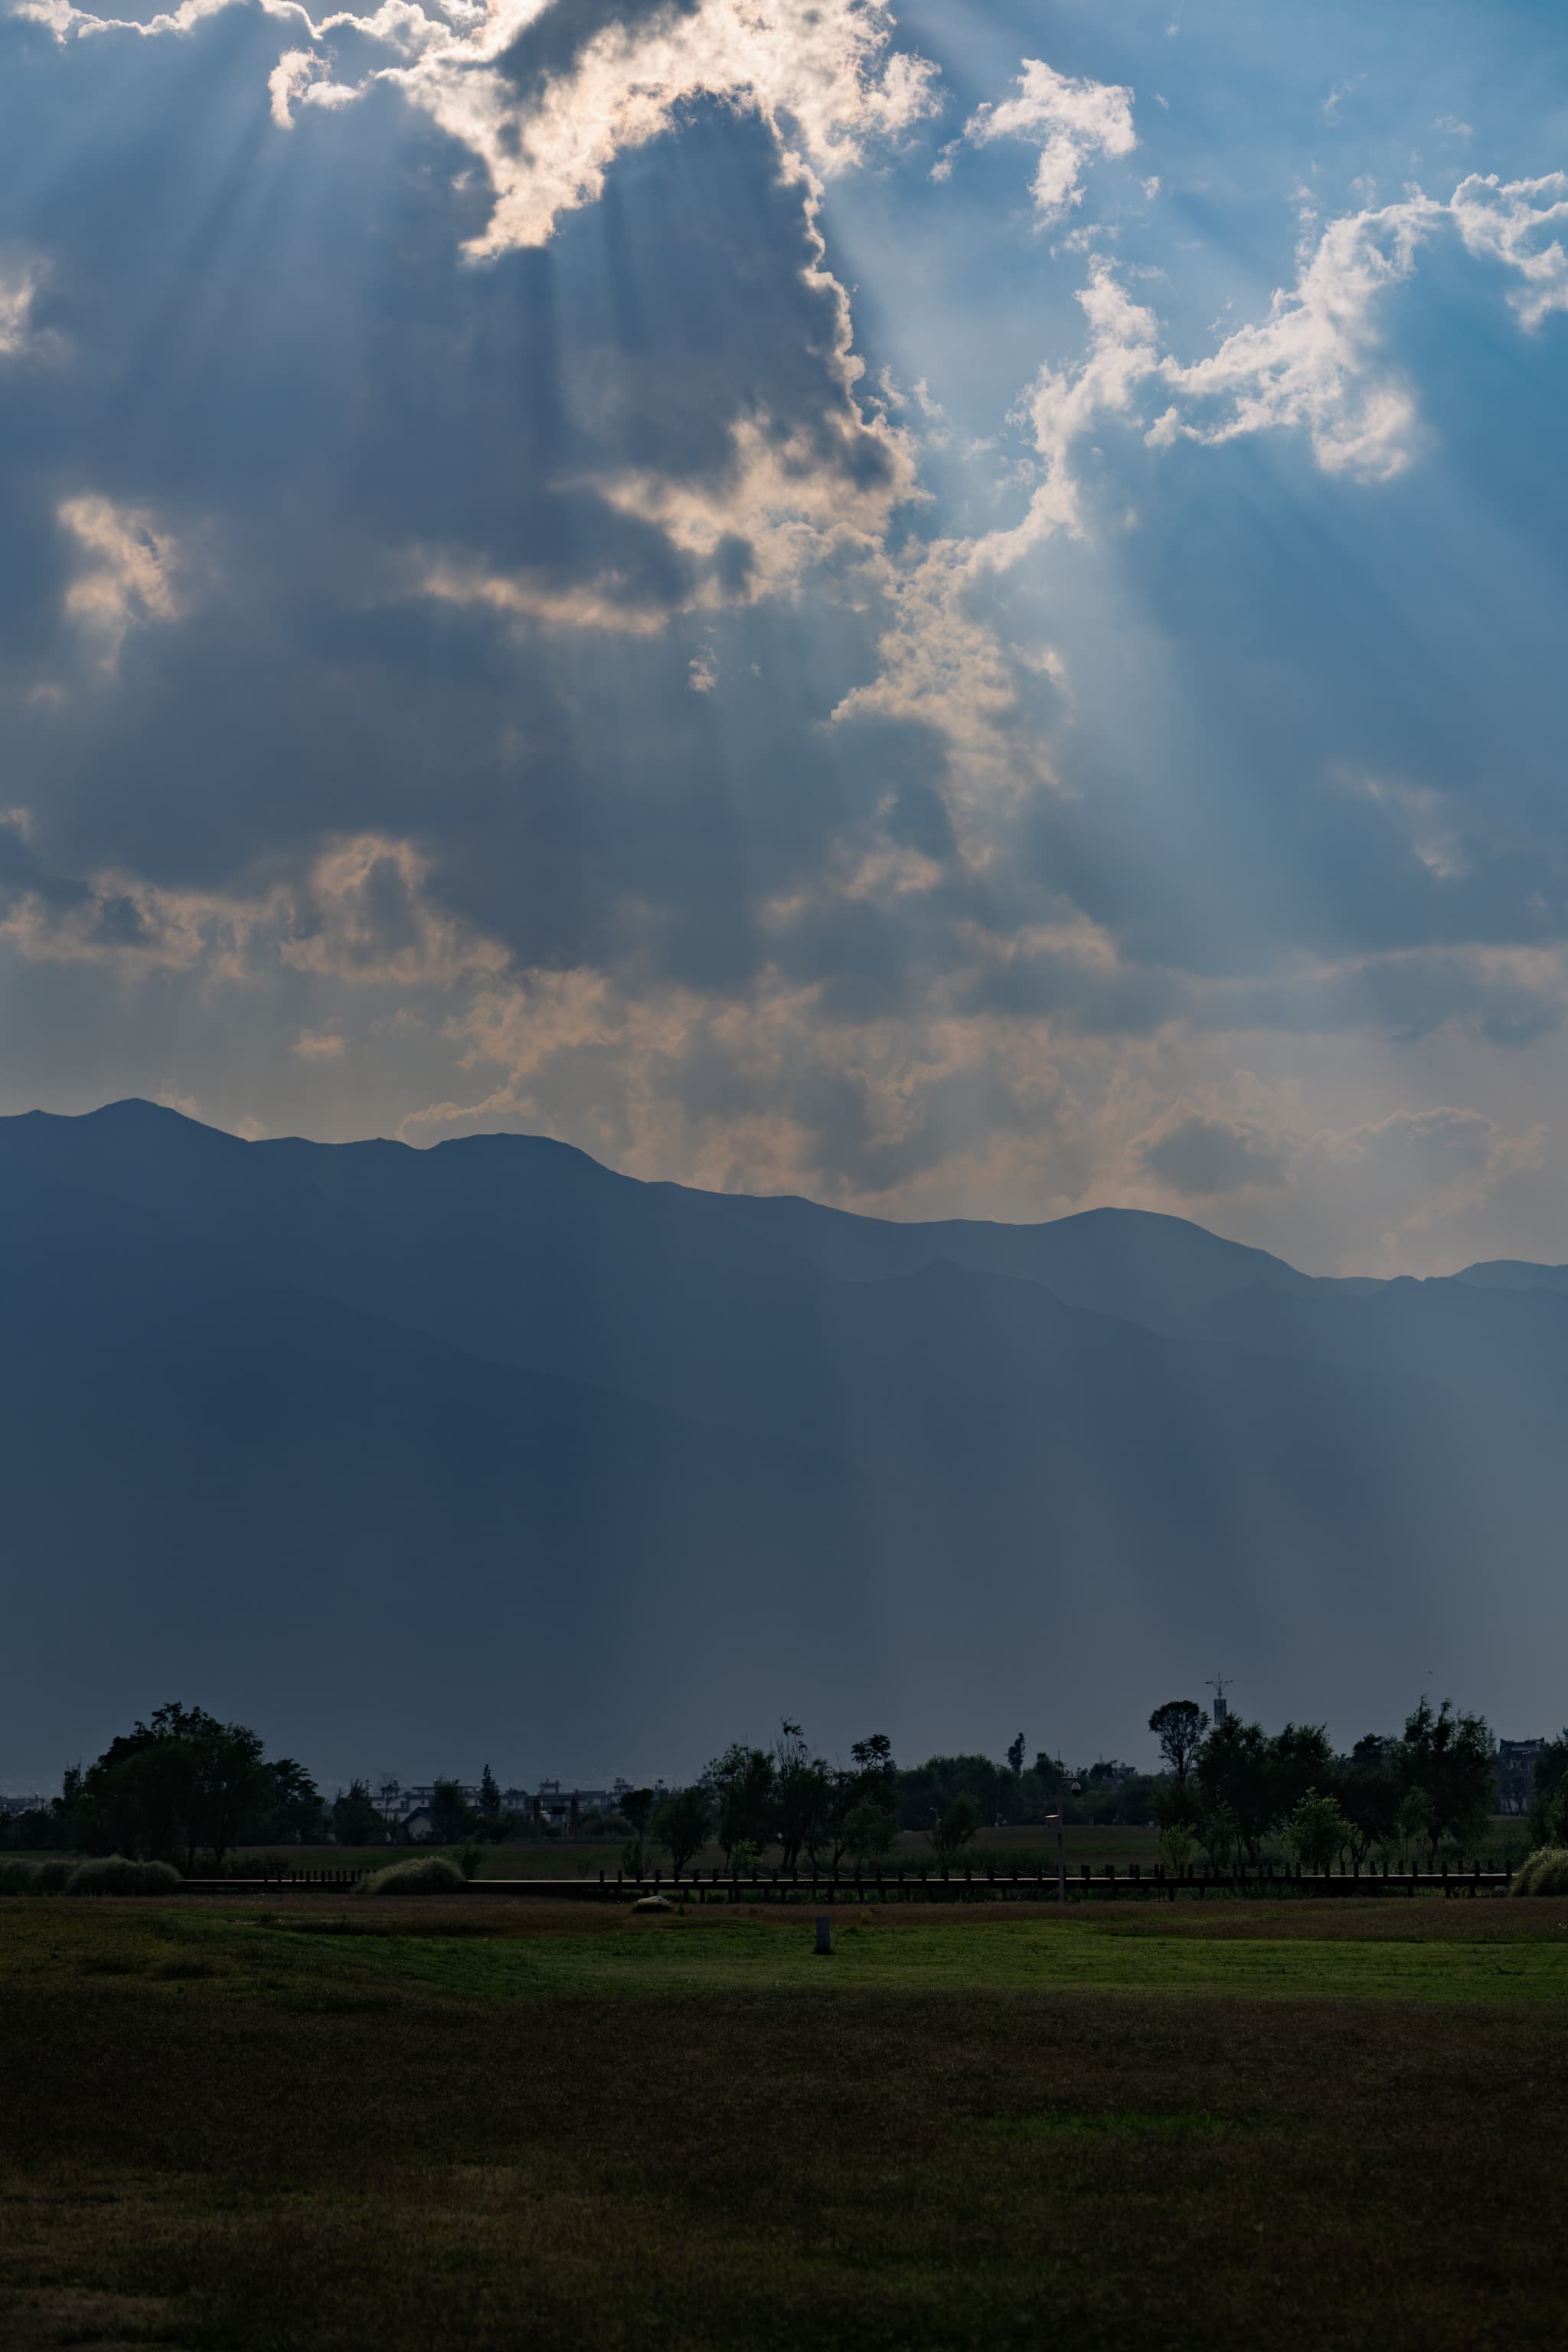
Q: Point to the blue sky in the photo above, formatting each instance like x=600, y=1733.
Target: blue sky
x=958, y=612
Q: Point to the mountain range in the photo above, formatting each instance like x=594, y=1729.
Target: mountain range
x=421, y=1458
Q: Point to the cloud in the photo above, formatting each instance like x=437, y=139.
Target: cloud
x=1519, y=223
x=127, y=561
x=1314, y=363
x=1194, y=1155
x=546, y=107
x=1071, y=121
x=18, y=287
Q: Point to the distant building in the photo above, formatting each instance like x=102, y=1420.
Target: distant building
x=406, y=1807
x=1516, y=1761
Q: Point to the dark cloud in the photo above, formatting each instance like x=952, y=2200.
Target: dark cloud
x=1200, y=1155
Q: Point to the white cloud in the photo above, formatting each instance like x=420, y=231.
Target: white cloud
x=1520, y=224
x=127, y=575
x=1071, y=121
x=1314, y=363
x=18, y=287
x=702, y=670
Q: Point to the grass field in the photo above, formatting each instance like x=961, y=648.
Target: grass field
x=409, y=2126
x=1005, y=1849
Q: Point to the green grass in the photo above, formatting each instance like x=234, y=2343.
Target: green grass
x=421, y=2125
x=1020, y=1848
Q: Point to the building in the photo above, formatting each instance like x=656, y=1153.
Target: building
x=1516, y=1763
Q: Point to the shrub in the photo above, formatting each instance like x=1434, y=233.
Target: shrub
x=431, y=1874
x=1546, y=1872
x=17, y=1877
x=52, y=1878
x=115, y=1874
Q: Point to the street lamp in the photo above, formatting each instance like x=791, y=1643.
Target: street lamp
x=1065, y=1789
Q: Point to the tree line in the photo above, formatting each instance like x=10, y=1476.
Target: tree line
x=183, y=1785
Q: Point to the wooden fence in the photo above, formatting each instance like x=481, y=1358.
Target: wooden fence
x=928, y=1886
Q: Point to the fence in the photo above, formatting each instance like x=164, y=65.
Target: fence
x=928, y=1886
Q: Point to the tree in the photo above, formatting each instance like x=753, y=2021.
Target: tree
x=1368, y=1787
x=1300, y=1759
x=178, y=1784
x=450, y=1820
x=741, y=1786
x=356, y=1821
x=1015, y=1754
x=1235, y=1777
x=1450, y=1756
x=636, y=1805
x=1317, y=1830
x=297, y=1816
x=802, y=1794
x=489, y=1796
x=870, y=1832
x=1179, y=1726
x=954, y=1827
x=1417, y=1821
x=681, y=1825
x=1548, y=1803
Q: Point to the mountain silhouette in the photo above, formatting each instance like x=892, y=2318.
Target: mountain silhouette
x=404, y=1452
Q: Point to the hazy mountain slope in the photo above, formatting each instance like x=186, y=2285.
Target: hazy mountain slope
x=1123, y=1262
x=1513, y=1274
x=359, y=1535
x=963, y=1502
x=1505, y=1349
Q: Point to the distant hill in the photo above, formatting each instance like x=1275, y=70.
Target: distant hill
x=404, y=1454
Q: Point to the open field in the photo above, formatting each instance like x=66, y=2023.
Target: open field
x=408, y=2125
x=1013, y=1848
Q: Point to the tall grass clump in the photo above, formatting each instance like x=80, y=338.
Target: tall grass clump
x=432, y=1874
x=115, y=1874
x=1545, y=1873
x=52, y=1878
x=17, y=1877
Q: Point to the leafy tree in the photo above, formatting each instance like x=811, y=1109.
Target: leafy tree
x=1317, y=1830
x=1551, y=1782
x=954, y=1827
x=932, y=1787
x=356, y=1821
x=297, y=1816
x=1179, y=1726
x=1450, y=1756
x=489, y=1796
x=174, y=1785
x=1015, y=1758
x=636, y=1807
x=1369, y=1790
x=681, y=1825
x=803, y=1794
x=1235, y=1777
x=870, y=1831
x=450, y=1820
x=1417, y=1821
x=1178, y=1844
x=741, y=1784
x=1300, y=1760
x=1219, y=1833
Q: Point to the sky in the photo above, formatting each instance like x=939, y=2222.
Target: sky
x=958, y=611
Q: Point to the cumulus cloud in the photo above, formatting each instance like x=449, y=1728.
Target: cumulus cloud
x=546, y=126
x=125, y=574
x=18, y=286
x=1071, y=121
x=1194, y=1155
x=1522, y=224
